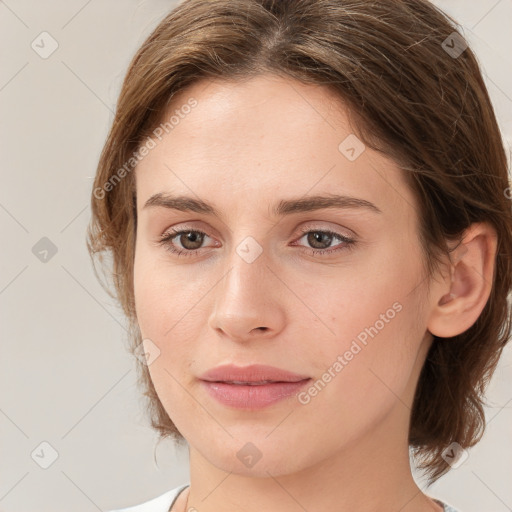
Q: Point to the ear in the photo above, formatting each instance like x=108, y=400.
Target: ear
x=459, y=298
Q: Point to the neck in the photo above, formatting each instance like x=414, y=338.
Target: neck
x=371, y=475
x=368, y=474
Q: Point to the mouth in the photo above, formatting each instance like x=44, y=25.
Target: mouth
x=252, y=395
x=255, y=374
x=256, y=383
x=251, y=387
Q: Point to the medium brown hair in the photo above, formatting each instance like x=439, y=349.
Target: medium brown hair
x=411, y=98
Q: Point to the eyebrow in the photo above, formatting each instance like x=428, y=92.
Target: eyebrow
x=283, y=207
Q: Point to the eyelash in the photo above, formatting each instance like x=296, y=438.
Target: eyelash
x=165, y=241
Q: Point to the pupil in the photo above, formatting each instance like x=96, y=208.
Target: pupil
x=193, y=238
x=314, y=237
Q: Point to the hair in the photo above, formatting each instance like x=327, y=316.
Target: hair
x=408, y=97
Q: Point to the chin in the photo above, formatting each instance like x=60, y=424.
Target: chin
x=256, y=455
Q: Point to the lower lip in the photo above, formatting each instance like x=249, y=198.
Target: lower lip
x=252, y=397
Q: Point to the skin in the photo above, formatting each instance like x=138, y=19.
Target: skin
x=243, y=148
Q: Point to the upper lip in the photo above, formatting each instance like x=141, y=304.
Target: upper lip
x=251, y=373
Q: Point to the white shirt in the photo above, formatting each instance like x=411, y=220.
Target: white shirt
x=163, y=503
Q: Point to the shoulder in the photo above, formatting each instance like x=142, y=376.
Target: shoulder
x=446, y=507
x=161, y=503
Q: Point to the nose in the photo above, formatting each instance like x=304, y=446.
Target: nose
x=248, y=301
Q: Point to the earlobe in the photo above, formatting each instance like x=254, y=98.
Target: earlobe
x=458, y=301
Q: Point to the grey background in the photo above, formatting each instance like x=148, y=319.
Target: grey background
x=65, y=375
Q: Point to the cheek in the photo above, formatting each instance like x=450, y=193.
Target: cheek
x=366, y=372
x=150, y=299
x=151, y=305
x=364, y=303
x=170, y=305
x=376, y=327
x=166, y=318
x=158, y=292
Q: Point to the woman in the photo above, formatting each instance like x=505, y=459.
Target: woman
x=306, y=206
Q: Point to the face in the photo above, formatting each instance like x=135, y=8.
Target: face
x=335, y=293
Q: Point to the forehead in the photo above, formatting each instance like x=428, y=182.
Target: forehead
x=269, y=106
x=264, y=136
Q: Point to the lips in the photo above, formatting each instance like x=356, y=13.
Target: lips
x=242, y=383
x=253, y=375
x=251, y=387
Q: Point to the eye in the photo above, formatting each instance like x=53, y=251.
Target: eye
x=321, y=240
x=191, y=241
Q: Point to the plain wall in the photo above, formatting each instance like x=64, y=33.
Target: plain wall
x=65, y=375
